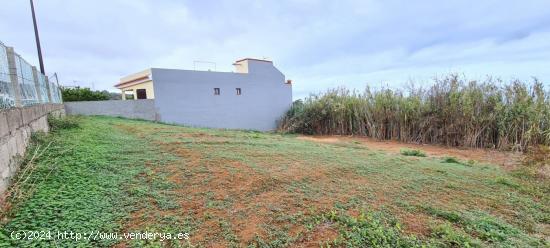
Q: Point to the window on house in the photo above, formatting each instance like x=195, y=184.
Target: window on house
x=129, y=94
x=238, y=91
x=141, y=94
x=216, y=91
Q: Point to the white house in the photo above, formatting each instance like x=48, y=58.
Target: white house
x=255, y=96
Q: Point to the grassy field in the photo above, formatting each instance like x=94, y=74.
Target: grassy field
x=251, y=189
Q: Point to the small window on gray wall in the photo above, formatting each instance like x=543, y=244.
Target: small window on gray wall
x=238, y=91
x=216, y=91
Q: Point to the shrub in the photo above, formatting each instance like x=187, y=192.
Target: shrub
x=57, y=123
x=83, y=94
x=416, y=153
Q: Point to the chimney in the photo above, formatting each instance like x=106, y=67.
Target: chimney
x=245, y=65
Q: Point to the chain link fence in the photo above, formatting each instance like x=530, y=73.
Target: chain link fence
x=21, y=84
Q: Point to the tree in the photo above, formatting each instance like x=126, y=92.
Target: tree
x=83, y=94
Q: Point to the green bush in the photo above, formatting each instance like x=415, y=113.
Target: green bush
x=84, y=94
x=416, y=153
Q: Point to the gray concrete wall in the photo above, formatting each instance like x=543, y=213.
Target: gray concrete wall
x=135, y=109
x=16, y=127
x=187, y=97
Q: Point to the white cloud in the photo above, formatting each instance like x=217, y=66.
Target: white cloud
x=319, y=44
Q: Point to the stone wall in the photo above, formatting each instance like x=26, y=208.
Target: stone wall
x=16, y=127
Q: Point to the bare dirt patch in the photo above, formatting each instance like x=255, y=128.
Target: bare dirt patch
x=509, y=160
x=323, y=233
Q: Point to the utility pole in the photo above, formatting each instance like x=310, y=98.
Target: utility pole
x=37, y=40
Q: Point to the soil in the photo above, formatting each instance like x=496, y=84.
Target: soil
x=508, y=160
x=249, y=202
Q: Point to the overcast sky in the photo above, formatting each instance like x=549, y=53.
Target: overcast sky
x=317, y=44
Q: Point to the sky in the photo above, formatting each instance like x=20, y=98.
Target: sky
x=317, y=44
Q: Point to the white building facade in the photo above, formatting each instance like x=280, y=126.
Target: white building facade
x=254, y=97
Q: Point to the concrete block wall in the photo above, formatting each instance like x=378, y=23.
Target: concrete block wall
x=16, y=127
x=133, y=109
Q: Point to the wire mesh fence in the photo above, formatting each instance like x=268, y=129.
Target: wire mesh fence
x=43, y=88
x=21, y=84
x=25, y=79
x=7, y=94
x=55, y=91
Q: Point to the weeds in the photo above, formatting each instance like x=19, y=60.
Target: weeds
x=482, y=226
x=454, y=112
x=449, y=216
x=58, y=123
x=413, y=152
x=492, y=230
x=451, y=160
x=367, y=230
x=507, y=182
x=446, y=235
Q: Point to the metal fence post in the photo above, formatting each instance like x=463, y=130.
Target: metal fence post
x=37, y=84
x=48, y=88
x=55, y=90
x=13, y=75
